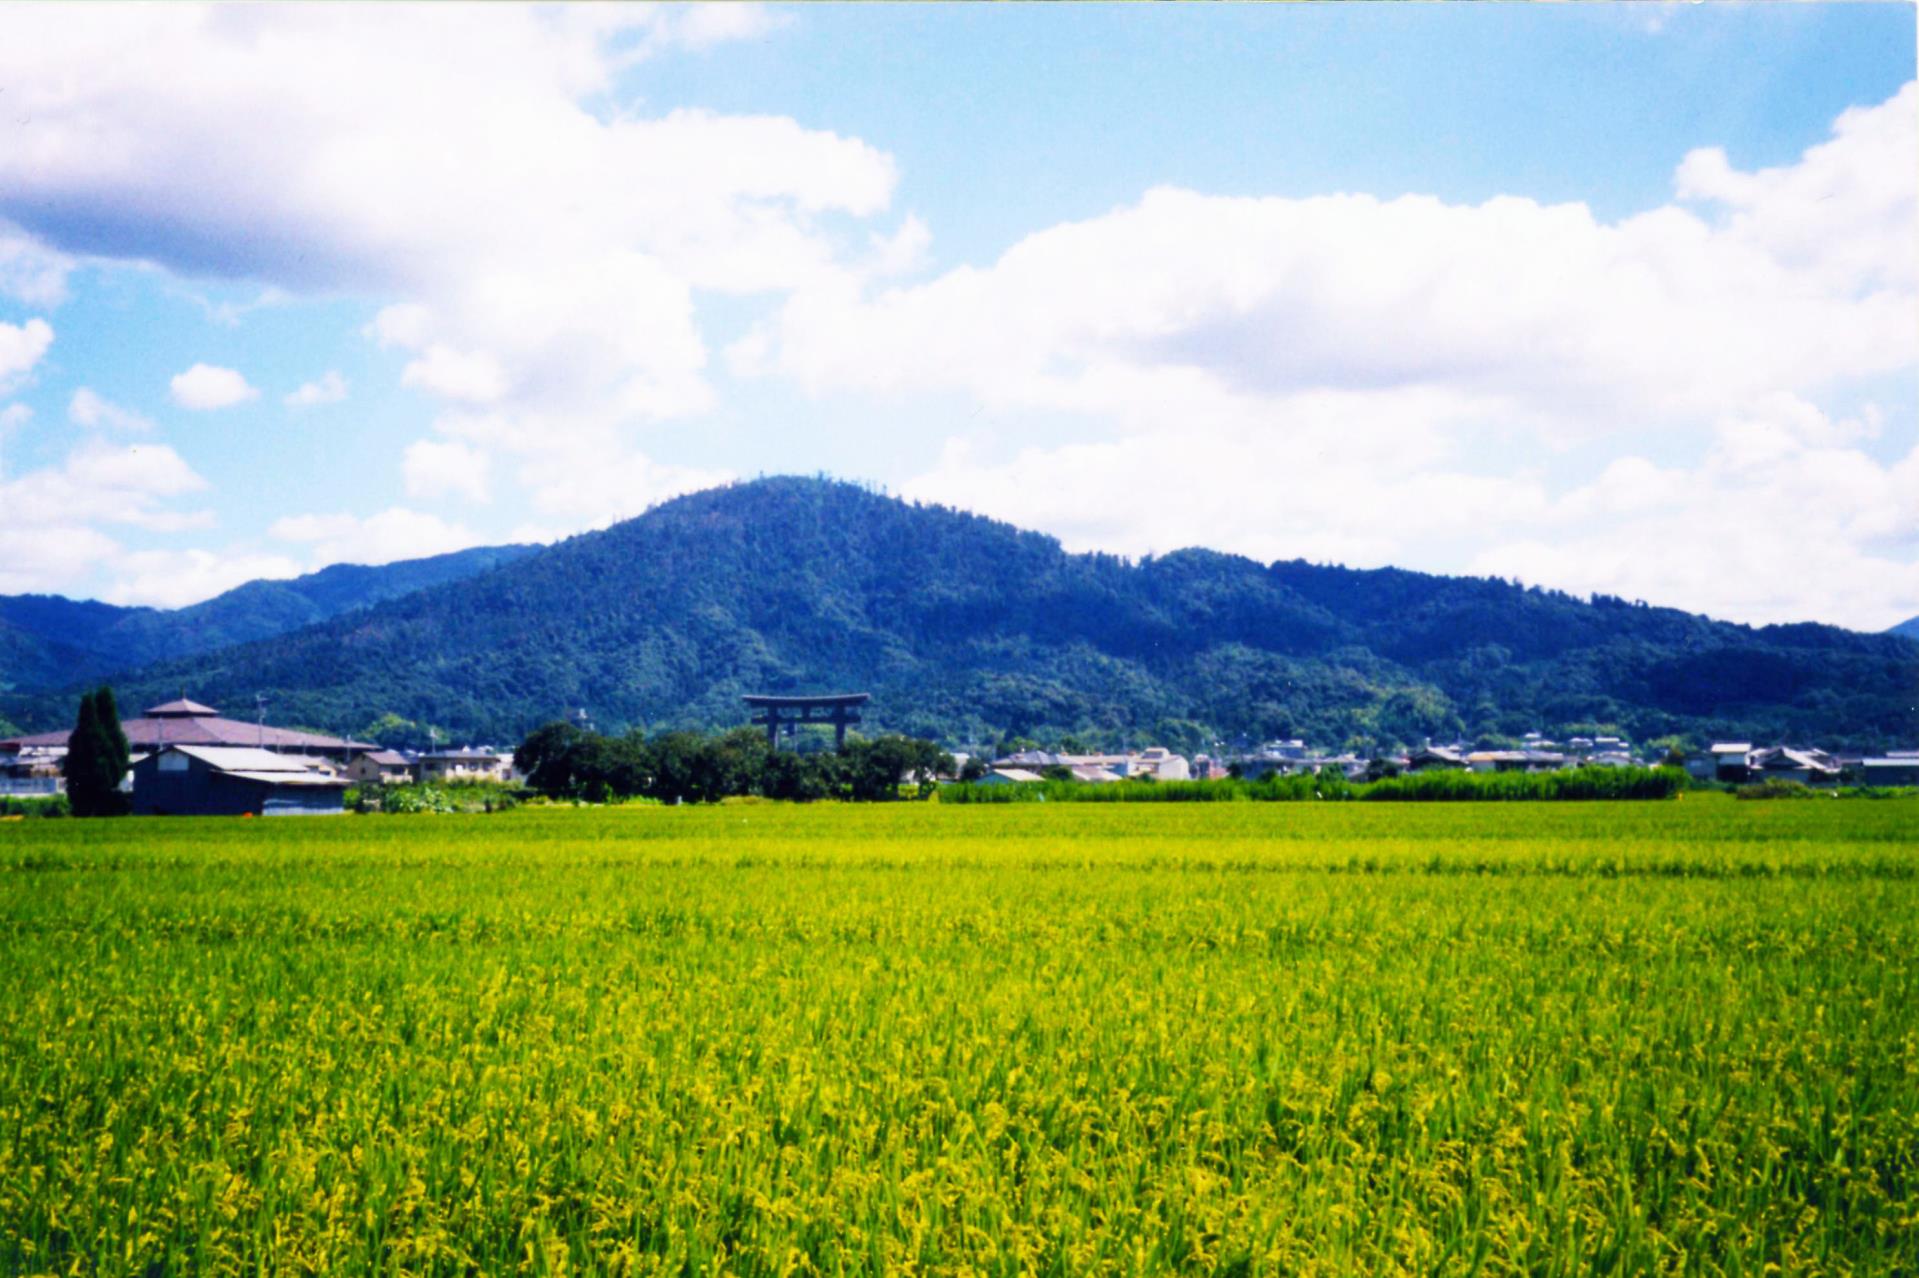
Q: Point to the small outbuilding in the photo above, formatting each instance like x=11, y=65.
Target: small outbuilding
x=1731, y=760
x=185, y=780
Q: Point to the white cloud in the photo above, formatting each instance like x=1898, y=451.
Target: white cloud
x=30, y=272
x=21, y=346
x=88, y=408
x=205, y=386
x=470, y=377
x=439, y=469
x=176, y=578
x=1378, y=381
x=48, y=558
x=330, y=388
x=701, y=26
x=50, y=537
x=394, y=533
x=1777, y=522
x=15, y=415
x=580, y=472
x=543, y=245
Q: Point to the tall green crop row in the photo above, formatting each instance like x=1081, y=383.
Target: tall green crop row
x=1452, y=786
x=1245, y=1038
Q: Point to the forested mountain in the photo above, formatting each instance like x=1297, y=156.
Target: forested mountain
x=48, y=641
x=1909, y=628
x=967, y=629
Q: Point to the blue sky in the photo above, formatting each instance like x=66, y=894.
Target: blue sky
x=1540, y=291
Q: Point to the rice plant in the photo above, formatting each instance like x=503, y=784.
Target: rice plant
x=1235, y=1038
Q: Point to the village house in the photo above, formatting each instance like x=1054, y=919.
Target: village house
x=185, y=722
x=379, y=767
x=1010, y=776
x=1426, y=758
x=465, y=765
x=1515, y=760
x=1783, y=763
x=1156, y=762
x=40, y=770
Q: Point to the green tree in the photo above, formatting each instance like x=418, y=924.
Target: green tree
x=392, y=730
x=545, y=757
x=119, y=751
x=97, y=757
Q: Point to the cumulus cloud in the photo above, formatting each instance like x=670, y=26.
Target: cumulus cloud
x=31, y=272
x=470, y=376
x=89, y=408
x=329, y=388
x=52, y=535
x=45, y=559
x=1386, y=380
x=700, y=26
x=1754, y=536
x=176, y=578
x=394, y=533
x=543, y=250
x=21, y=346
x=442, y=468
x=205, y=386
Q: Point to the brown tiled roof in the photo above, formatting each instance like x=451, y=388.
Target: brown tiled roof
x=179, y=708
x=198, y=730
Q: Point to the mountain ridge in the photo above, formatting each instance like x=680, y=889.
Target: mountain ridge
x=51, y=640
x=968, y=629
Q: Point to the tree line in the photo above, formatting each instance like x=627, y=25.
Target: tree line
x=565, y=761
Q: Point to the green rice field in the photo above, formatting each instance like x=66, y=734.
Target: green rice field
x=1551, y=1038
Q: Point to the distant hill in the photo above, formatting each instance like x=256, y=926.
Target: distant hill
x=49, y=641
x=1909, y=628
x=966, y=629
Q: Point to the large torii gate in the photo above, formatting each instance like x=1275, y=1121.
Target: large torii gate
x=838, y=709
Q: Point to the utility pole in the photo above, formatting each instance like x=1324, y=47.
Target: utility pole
x=260, y=722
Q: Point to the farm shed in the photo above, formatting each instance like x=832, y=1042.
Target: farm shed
x=1892, y=770
x=229, y=781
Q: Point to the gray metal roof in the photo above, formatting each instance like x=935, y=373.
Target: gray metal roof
x=245, y=759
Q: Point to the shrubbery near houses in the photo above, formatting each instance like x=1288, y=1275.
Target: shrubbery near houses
x=563, y=761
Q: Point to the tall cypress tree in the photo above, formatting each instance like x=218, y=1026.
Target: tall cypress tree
x=115, y=754
x=85, y=793
x=97, y=756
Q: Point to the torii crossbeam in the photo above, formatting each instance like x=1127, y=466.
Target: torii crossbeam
x=789, y=713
